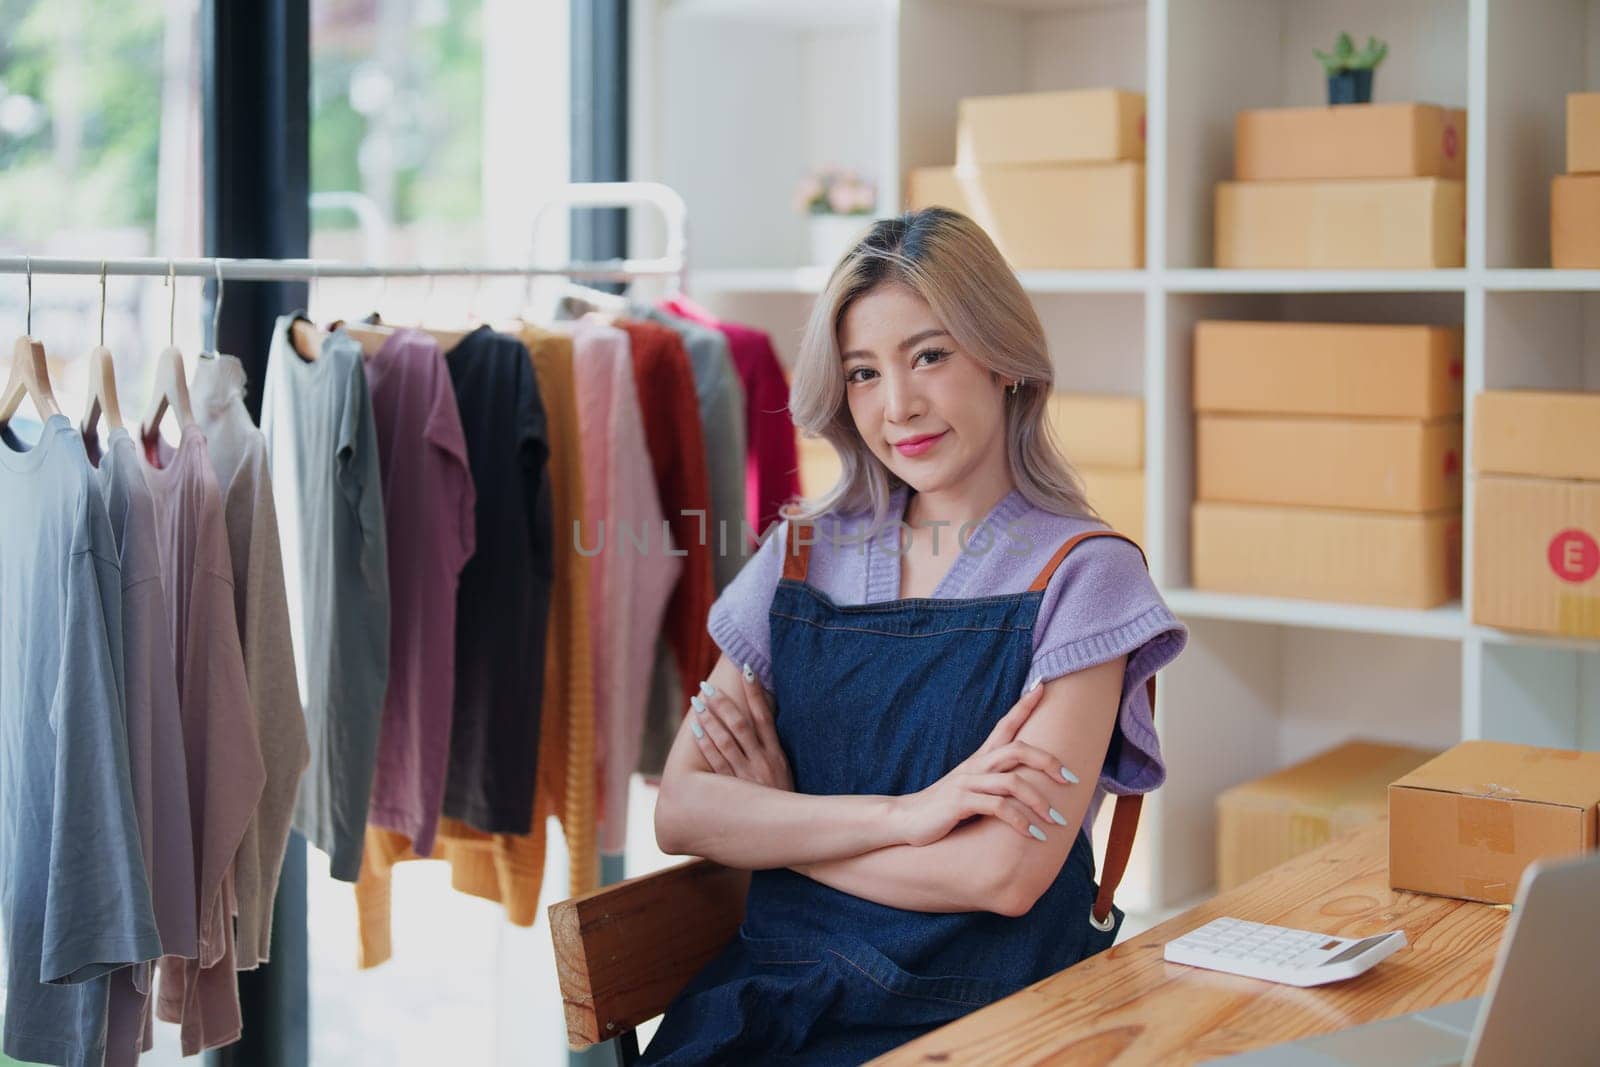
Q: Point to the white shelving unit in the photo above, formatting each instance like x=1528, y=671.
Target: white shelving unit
x=874, y=84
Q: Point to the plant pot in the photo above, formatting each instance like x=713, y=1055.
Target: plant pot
x=834, y=235
x=1350, y=87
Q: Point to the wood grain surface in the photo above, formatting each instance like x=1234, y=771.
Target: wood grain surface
x=1128, y=1006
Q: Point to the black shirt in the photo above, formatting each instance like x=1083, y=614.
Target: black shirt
x=503, y=605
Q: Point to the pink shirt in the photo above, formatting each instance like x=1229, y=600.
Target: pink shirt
x=629, y=587
x=223, y=754
x=429, y=518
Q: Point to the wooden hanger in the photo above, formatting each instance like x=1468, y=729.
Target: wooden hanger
x=172, y=387
x=30, y=375
x=102, y=377
x=306, y=338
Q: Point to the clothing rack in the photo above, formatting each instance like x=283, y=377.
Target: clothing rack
x=673, y=264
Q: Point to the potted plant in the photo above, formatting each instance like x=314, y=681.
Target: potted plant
x=838, y=204
x=1349, y=71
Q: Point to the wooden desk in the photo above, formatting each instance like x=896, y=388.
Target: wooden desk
x=1128, y=1006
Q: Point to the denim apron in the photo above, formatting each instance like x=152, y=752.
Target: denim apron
x=879, y=699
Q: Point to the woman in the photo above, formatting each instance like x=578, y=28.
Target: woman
x=947, y=688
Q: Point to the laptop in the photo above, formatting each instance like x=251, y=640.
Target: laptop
x=1542, y=1007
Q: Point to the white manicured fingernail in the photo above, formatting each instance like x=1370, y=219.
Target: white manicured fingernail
x=1071, y=779
x=749, y=675
x=1034, y=686
x=1060, y=819
x=1035, y=831
x=698, y=704
x=708, y=689
x=696, y=728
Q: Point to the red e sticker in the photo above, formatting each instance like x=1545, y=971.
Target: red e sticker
x=1452, y=142
x=1574, y=556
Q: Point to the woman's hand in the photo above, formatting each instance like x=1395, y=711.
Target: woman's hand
x=737, y=737
x=1001, y=779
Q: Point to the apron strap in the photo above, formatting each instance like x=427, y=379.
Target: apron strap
x=1125, y=818
x=797, y=551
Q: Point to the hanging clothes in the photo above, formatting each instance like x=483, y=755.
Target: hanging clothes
x=156, y=759
x=676, y=443
x=721, y=403
x=238, y=452
x=428, y=502
x=322, y=448
x=504, y=867
x=772, y=463
x=721, y=400
x=504, y=601
x=74, y=894
x=223, y=755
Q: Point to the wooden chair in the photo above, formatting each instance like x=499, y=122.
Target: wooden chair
x=624, y=951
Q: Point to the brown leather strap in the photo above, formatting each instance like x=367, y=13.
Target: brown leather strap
x=1125, y=818
x=797, y=551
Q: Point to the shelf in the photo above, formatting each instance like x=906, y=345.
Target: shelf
x=1492, y=636
x=1543, y=281
x=812, y=279
x=1212, y=280
x=781, y=14
x=1446, y=623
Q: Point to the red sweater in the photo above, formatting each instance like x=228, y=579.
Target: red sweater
x=677, y=445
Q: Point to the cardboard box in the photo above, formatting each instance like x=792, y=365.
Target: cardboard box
x=1399, y=465
x=1076, y=126
x=1466, y=823
x=1355, y=224
x=1350, y=141
x=1097, y=430
x=1537, y=555
x=1402, y=561
x=1314, y=368
x=1118, y=496
x=1575, y=222
x=1047, y=217
x=1539, y=433
x=1272, y=820
x=1583, y=133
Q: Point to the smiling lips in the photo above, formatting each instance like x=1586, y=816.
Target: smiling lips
x=916, y=446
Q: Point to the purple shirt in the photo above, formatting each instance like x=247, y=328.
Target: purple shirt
x=1100, y=604
x=428, y=501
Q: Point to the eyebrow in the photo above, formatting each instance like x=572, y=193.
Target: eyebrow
x=907, y=343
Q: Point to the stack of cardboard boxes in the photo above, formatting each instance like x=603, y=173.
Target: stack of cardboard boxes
x=1536, y=512
x=1328, y=461
x=1103, y=437
x=1056, y=179
x=1356, y=186
x=1575, y=195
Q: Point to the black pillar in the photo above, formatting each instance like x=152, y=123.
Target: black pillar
x=256, y=75
x=256, y=71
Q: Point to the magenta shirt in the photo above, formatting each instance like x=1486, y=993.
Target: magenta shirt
x=429, y=519
x=1100, y=604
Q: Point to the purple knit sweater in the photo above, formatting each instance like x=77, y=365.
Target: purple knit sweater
x=1100, y=604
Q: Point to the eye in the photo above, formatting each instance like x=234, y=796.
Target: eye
x=937, y=355
x=851, y=375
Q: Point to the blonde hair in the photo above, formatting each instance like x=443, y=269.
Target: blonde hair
x=949, y=261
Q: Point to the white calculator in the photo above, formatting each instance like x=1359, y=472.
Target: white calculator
x=1279, y=954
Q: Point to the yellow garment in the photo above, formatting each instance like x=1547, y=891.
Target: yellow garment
x=509, y=868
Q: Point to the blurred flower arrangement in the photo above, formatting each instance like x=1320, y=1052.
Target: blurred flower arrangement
x=835, y=191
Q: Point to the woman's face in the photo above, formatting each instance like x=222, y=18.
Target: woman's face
x=928, y=411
